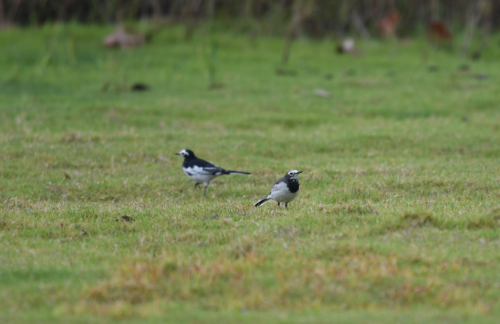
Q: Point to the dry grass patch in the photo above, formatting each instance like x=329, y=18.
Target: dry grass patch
x=341, y=276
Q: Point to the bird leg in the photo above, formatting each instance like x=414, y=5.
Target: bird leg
x=286, y=205
x=278, y=204
x=196, y=185
x=205, y=194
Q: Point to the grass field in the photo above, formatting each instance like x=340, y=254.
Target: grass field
x=397, y=219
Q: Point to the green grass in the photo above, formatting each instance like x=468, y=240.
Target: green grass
x=397, y=219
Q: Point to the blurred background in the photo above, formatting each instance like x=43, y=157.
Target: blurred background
x=311, y=18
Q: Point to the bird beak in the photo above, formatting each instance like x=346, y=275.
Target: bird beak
x=299, y=172
x=178, y=153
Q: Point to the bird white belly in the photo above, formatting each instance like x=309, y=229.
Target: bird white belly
x=280, y=193
x=199, y=175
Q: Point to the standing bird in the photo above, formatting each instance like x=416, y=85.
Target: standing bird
x=284, y=190
x=202, y=171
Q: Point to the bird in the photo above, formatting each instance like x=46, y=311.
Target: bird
x=284, y=190
x=201, y=171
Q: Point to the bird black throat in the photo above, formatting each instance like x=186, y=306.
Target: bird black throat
x=293, y=185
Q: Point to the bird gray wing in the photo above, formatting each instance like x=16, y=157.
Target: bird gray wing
x=278, y=185
x=215, y=170
x=203, y=167
x=207, y=170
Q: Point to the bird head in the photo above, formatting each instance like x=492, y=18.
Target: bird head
x=186, y=154
x=292, y=174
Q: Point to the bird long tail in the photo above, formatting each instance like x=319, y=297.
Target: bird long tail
x=262, y=201
x=236, y=172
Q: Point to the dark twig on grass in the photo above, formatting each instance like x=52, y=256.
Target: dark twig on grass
x=139, y=87
x=285, y=72
x=481, y=76
x=211, y=217
x=432, y=68
x=126, y=219
x=464, y=68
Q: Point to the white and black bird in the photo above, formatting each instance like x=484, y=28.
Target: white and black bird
x=284, y=190
x=202, y=171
